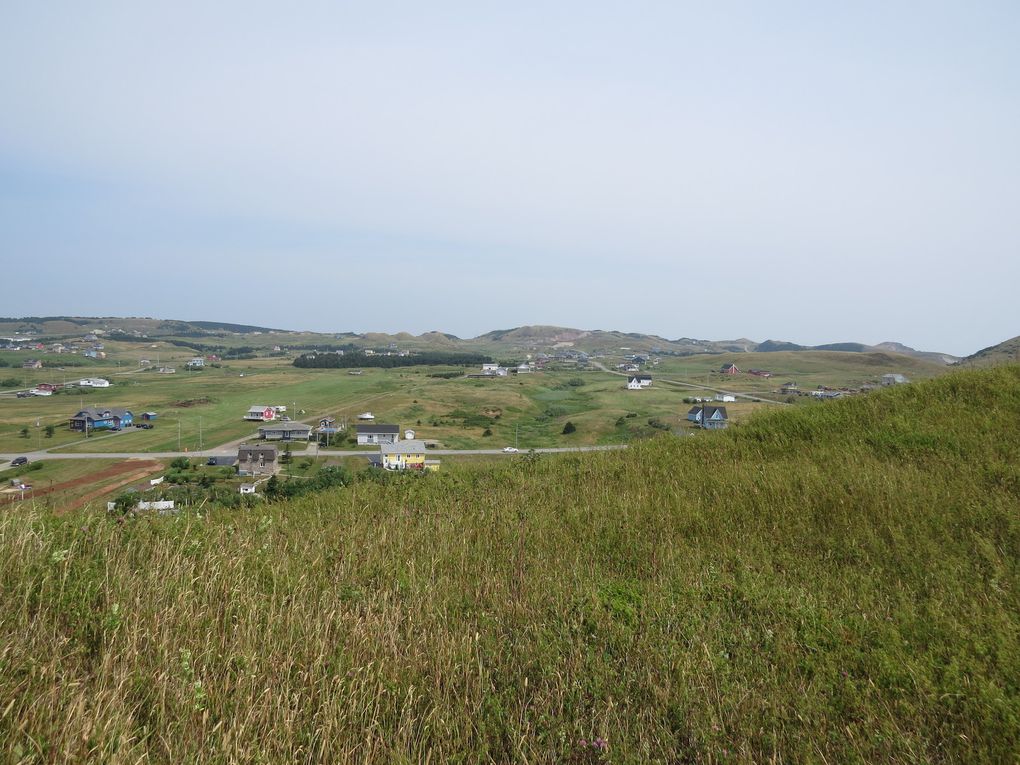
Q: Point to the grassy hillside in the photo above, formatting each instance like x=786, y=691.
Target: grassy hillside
x=828, y=584
x=1005, y=352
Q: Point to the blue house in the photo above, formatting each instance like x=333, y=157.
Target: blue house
x=714, y=417
x=101, y=419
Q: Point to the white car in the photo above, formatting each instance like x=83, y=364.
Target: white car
x=510, y=449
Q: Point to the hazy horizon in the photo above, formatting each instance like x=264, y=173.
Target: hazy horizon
x=791, y=172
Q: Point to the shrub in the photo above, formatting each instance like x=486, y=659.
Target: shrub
x=569, y=428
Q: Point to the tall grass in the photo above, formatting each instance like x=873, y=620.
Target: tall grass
x=837, y=584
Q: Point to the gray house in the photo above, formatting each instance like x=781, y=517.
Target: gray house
x=252, y=460
x=894, y=379
x=714, y=417
x=378, y=434
x=286, y=431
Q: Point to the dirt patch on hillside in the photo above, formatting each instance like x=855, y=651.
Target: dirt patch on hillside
x=186, y=403
x=130, y=470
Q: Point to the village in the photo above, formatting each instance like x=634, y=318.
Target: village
x=159, y=402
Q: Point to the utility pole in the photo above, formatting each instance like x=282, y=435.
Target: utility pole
x=178, y=434
x=199, y=432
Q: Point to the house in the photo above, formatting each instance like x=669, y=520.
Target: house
x=643, y=380
x=196, y=362
x=729, y=369
x=403, y=455
x=247, y=488
x=94, y=382
x=48, y=387
x=149, y=416
x=212, y=357
x=254, y=459
x=494, y=370
x=286, y=431
x=894, y=379
x=789, y=387
x=260, y=413
x=523, y=369
x=378, y=434
x=709, y=417
x=95, y=418
x=726, y=398
x=166, y=371
x=31, y=364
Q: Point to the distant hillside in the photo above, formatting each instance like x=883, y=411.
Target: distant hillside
x=834, y=583
x=516, y=340
x=772, y=346
x=1005, y=352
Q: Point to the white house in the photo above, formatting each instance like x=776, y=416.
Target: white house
x=198, y=361
x=633, y=384
x=260, y=413
x=378, y=434
x=523, y=369
x=489, y=369
x=94, y=382
x=726, y=398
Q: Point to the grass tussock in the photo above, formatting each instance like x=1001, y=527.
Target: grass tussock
x=833, y=584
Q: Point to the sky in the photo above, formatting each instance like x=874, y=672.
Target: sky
x=803, y=171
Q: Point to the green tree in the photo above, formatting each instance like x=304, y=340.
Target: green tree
x=50, y=430
x=569, y=428
x=487, y=432
x=273, y=487
x=24, y=432
x=179, y=463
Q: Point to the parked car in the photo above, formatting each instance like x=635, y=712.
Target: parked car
x=19, y=461
x=23, y=394
x=510, y=449
x=146, y=426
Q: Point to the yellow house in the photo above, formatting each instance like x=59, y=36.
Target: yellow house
x=403, y=455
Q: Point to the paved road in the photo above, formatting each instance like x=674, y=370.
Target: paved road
x=219, y=452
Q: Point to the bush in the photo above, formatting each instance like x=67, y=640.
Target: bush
x=180, y=463
x=569, y=428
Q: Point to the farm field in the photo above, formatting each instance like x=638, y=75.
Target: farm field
x=63, y=485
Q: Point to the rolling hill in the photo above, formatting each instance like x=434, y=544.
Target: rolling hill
x=836, y=583
x=1005, y=352
x=525, y=339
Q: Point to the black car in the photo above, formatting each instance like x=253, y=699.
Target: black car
x=19, y=461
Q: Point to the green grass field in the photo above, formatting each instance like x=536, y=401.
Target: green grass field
x=823, y=584
x=207, y=407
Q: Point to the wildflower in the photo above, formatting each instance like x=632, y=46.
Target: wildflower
x=582, y=743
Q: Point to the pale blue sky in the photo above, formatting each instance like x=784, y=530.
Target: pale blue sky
x=815, y=172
